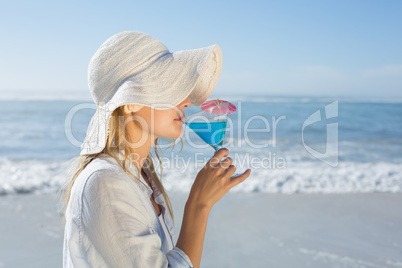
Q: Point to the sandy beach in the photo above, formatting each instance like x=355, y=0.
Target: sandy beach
x=244, y=230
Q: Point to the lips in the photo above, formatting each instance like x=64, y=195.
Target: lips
x=179, y=119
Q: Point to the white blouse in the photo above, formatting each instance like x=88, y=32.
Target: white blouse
x=161, y=217
x=166, y=232
x=111, y=222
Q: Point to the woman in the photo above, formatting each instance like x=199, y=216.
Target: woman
x=116, y=212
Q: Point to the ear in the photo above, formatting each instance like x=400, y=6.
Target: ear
x=131, y=108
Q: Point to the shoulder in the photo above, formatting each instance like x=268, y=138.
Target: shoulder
x=105, y=171
x=104, y=162
x=107, y=190
x=103, y=174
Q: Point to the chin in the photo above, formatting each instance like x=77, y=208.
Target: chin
x=180, y=134
x=175, y=135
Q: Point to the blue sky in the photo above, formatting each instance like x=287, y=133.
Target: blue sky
x=304, y=48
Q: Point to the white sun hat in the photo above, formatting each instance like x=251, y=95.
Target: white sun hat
x=134, y=68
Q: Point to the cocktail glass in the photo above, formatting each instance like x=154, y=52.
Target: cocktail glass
x=210, y=125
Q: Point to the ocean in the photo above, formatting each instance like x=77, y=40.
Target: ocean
x=291, y=144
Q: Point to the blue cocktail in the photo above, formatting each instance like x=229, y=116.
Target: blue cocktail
x=211, y=132
x=210, y=124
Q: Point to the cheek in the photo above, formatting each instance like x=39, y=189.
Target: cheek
x=165, y=126
x=161, y=124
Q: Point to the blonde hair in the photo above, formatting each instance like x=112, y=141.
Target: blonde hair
x=115, y=141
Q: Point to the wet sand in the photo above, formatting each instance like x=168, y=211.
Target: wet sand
x=244, y=230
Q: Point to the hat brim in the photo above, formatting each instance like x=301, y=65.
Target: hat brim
x=187, y=73
x=172, y=78
x=209, y=67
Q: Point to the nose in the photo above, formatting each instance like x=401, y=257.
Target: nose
x=186, y=103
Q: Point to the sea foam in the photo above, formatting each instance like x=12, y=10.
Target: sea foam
x=35, y=176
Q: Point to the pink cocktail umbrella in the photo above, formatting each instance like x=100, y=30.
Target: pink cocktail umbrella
x=216, y=107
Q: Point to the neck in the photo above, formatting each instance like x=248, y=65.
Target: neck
x=139, y=144
x=139, y=150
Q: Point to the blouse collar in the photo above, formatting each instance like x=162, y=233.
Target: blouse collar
x=154, y=187
x=159, y=198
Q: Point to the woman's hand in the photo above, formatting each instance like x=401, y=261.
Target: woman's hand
x=214, y=180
